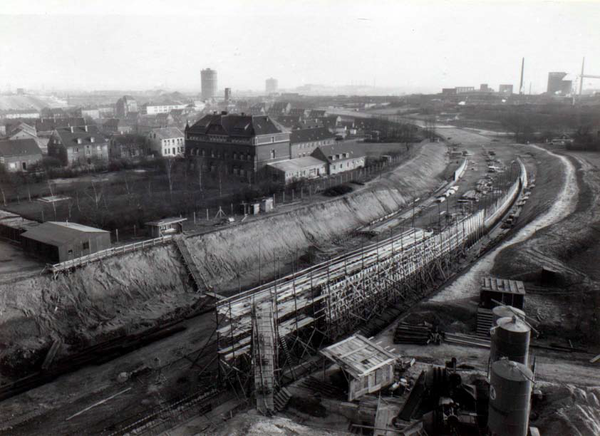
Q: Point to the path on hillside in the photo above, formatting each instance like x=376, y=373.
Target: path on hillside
x=467, y=285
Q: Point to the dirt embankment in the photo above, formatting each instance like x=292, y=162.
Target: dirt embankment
x=274, y=241
x=91, y=304
x=133, y=292
x=562, y=260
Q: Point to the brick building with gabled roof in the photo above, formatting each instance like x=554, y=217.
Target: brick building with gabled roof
x=237, y=144
x=81, y=145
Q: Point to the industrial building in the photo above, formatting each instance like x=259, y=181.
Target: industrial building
x=505, y=89
x=557, y=85
x=209, y=83
x=57, y=242
x=166, y=226
x=271, y=85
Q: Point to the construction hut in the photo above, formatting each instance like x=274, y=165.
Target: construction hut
x=494, y=291
x=57, y=242
x=497, y=292
x=167, y=226
x=367, y=366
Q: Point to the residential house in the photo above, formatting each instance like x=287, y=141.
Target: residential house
x=299, y=112
x=26, y=131
x=237, y=144
x=19, y=154
x=128, y=146
x=167, y=142
x=81, y=145
x=341, y=157
x=116, y=126
x=304, y=141
x=257, y=109
x=280, y=108
x=317, y=113
x=125, y=105
x=161, y=108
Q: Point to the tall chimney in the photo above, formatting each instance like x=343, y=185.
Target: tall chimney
x=522, y=71
x=581, y=77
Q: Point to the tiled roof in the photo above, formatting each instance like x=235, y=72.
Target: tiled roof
x=235, y=125
x=167, y=133
x=19, y=147
x=70, y=135
x=48, y=124
x=354, y=149
x=307, y=135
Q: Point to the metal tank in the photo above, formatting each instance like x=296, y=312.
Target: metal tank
x=510, y=398
x=505, y=311
x=510, y=339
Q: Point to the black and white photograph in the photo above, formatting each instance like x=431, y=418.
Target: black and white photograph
x=310, y=217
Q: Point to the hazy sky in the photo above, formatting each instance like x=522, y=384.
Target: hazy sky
x=412, y=45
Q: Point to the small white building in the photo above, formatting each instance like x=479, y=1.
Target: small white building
x=167, y=141
x=291, y=170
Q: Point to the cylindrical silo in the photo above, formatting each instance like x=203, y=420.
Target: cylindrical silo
x=505, y=311
x=510, y=398
x=510, y=339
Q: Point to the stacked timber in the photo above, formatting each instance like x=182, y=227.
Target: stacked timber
x=417, y=335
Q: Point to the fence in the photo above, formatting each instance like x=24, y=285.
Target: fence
x=128, y=248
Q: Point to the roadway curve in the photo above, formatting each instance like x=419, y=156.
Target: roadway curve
x=467, y=285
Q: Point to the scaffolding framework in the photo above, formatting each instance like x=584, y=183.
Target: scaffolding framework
x=329, y=300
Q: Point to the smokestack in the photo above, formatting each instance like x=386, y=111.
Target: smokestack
x=581, y=77
x=522, y=71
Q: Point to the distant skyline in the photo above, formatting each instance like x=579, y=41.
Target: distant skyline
x=411, y=46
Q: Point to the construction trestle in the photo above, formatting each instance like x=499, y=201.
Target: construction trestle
x=333, y=298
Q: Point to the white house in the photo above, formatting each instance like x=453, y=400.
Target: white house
x=167, y=141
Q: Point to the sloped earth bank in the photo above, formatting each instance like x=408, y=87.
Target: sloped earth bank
x=267, y=244
x=130, y=293
x=89, y=305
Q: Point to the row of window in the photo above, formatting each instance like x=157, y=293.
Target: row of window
x=341, y=165
x=172, y=151
x=235, y=156
x=172, y=141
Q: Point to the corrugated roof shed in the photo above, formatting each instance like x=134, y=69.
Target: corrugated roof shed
x=58, y=233
x=358, y=356
x=502, y=285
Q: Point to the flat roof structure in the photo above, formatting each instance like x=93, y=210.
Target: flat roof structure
x=166, y=221
x=58, y=233
x=298, y=164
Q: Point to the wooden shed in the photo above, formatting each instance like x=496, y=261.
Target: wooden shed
x=368, y=366
x=508, y=292
x=167, y=226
